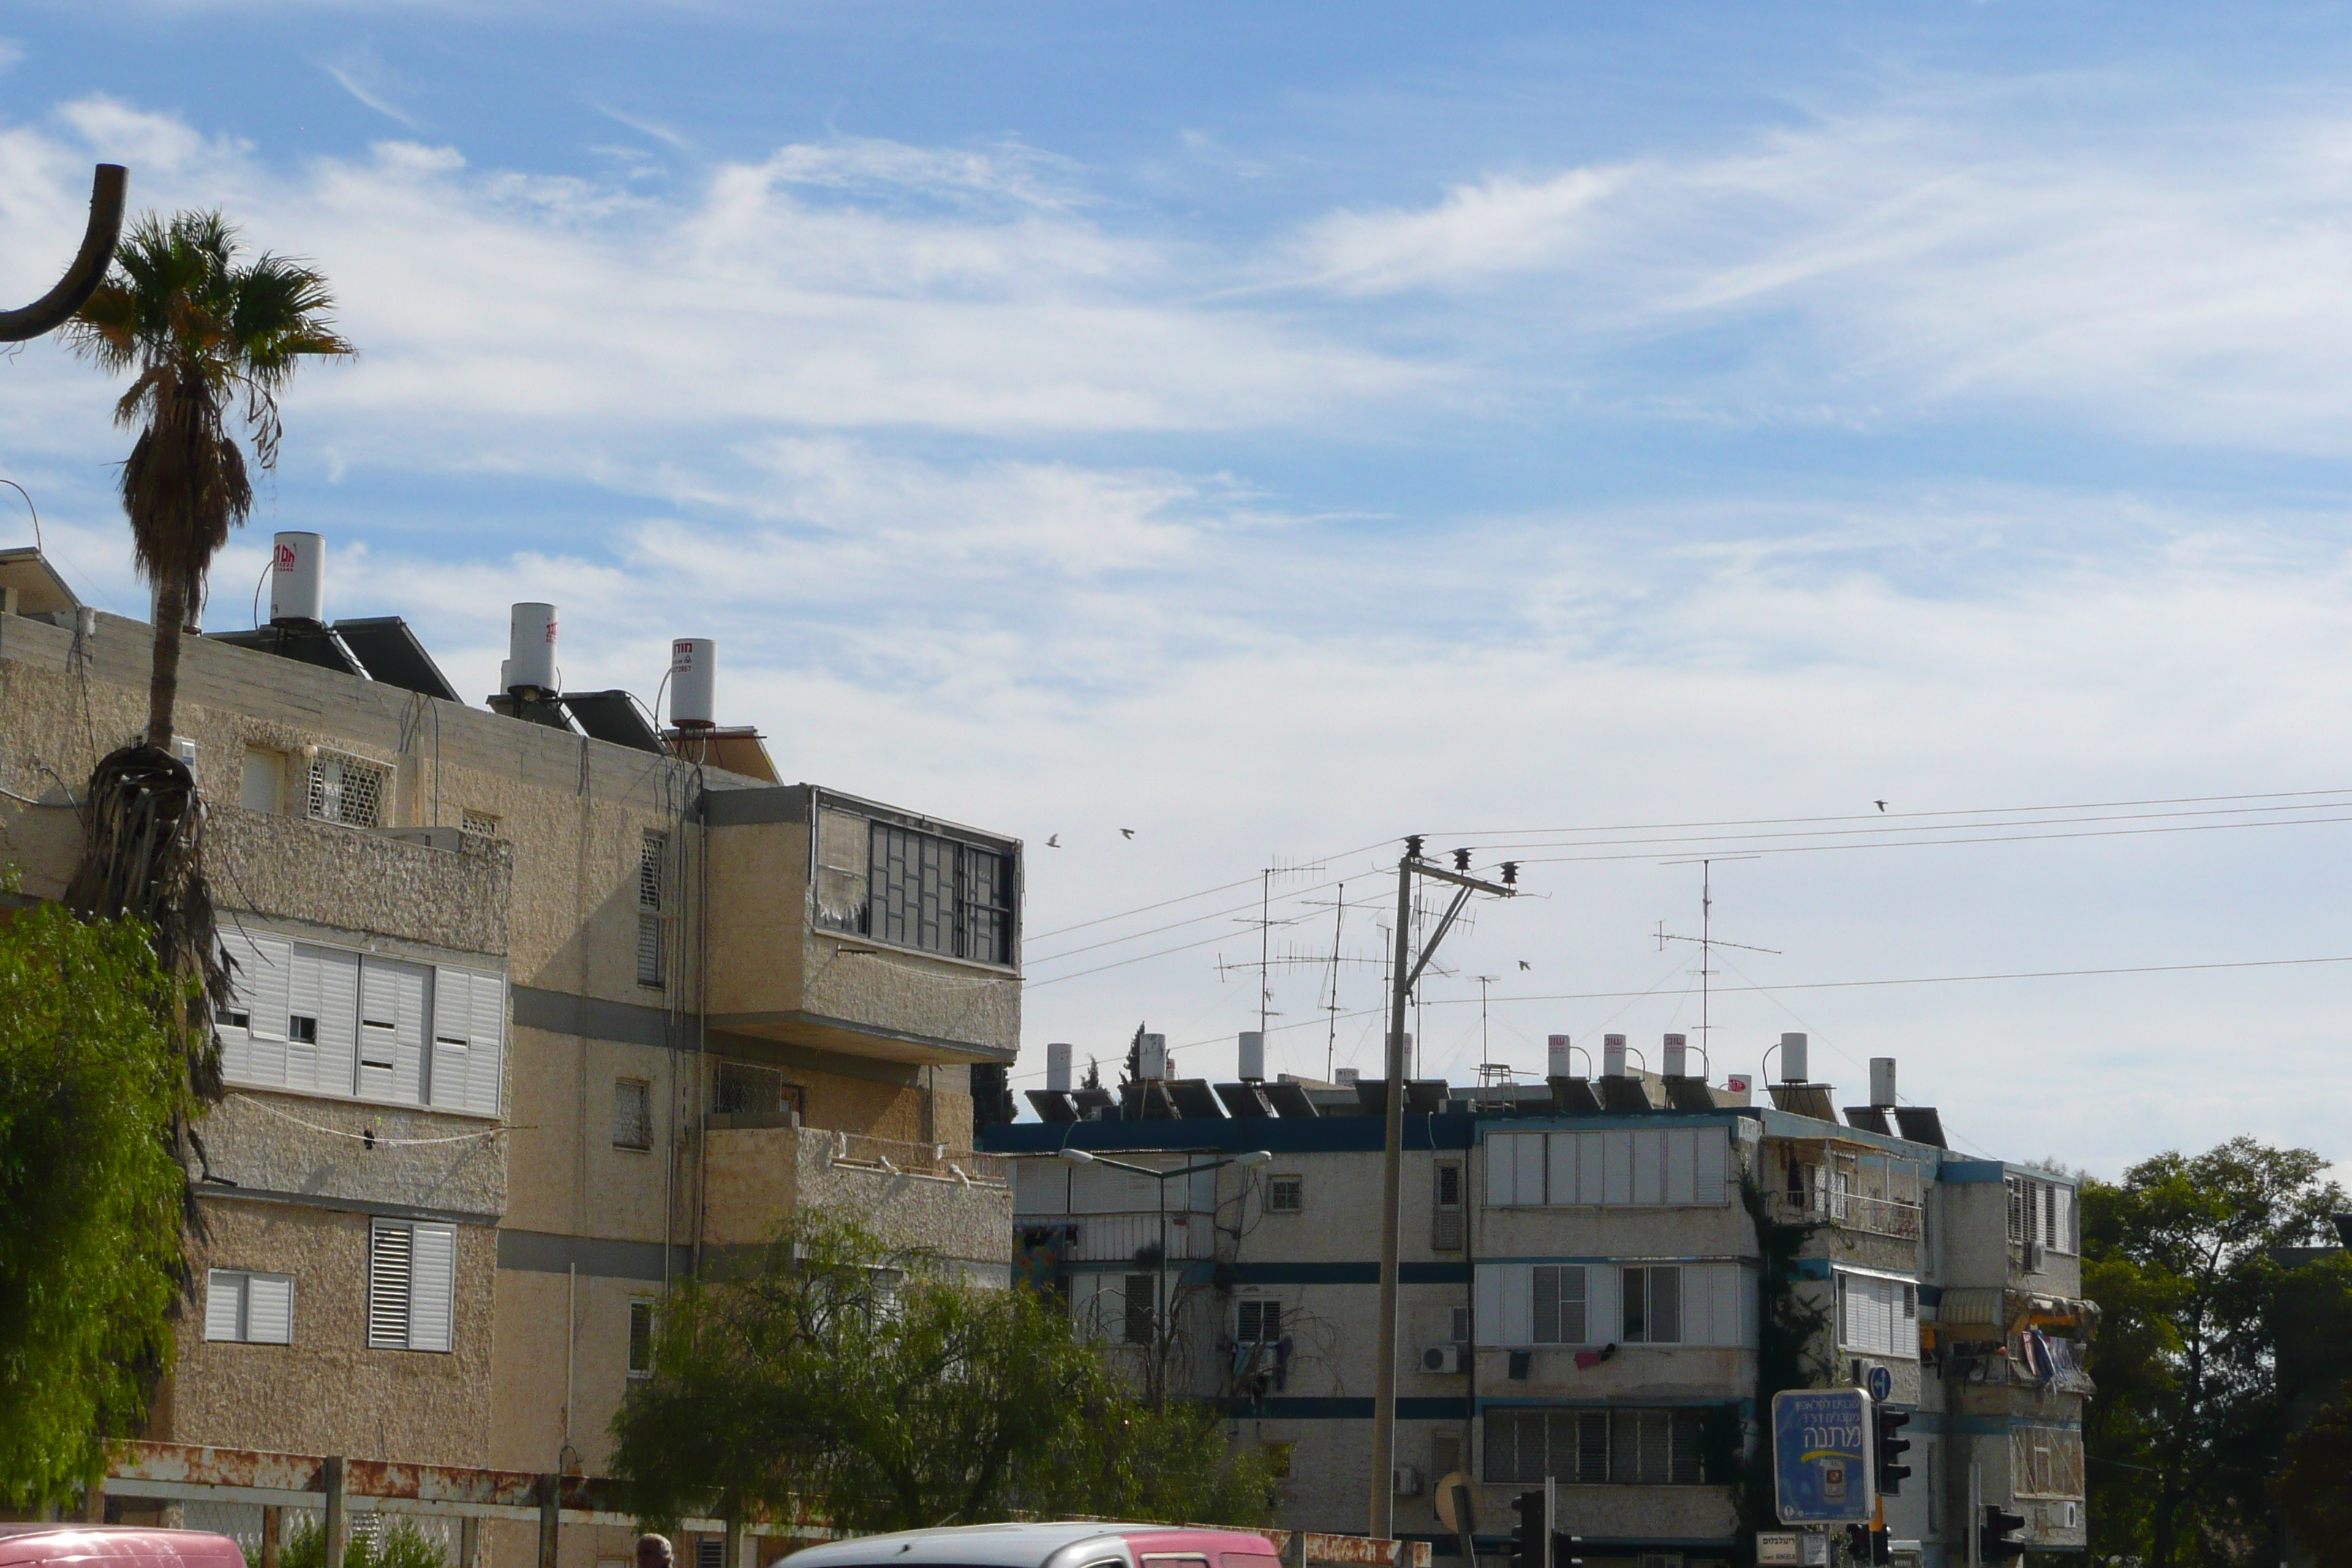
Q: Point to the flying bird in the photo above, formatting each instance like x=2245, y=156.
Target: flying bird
x=1525, y=964
x=1055, y=842
x=1882, y=806
x=1127, y=833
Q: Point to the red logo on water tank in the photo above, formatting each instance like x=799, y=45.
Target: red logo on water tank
x=286, y=558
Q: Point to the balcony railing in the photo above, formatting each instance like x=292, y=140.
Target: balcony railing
x=934, y=1160
x=1850, y=1211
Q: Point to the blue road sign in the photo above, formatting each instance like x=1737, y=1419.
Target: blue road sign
x=1881, y=1384
x=1820, y=1455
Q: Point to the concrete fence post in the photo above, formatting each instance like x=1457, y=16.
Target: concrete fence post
x=273, y=1529
x=469, y=1543
x=551, y=1514
x=331, y=1481
x=93, y=1503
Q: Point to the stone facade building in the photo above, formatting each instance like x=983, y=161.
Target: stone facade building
x=1584, y=1295
x=535, y=1009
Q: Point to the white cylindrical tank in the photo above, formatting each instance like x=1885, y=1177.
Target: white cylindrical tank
x=298, y=578
x=1559, y=1061
x=1057, y=1065
x=1792, y=1059
x=1152, y=1063
x=1252, y=1055
x=1612, y=1056
x=530, y=649
x=1881, y=1080
x=693, y=683
x=1673, y=1059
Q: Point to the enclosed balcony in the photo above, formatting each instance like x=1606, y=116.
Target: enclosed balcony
x=1848, y=1186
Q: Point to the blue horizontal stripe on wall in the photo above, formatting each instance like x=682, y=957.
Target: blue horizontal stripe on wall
x=1291, y=1407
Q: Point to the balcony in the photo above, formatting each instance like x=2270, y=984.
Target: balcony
x=952, y=1202
x=1849, y=1211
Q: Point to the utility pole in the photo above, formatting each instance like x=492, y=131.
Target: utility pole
x=1405, y=973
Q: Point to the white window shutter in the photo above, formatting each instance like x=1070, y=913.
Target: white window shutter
x=432, y=1289
x=337, y=1000
x=270, y=1309
x=1682, y=1165
x=263, y=990
x=223, y=1305
x=1561, y=1159
x=1502, y=1183
x=450, y=1040
x=1617, y=1169
x=237, y=1044
x=390, y=1246
x=1592, y=1185
x=487, y=1057
x=1649, y=1167
x=1519, y=1303
x=1528, y=1155
x=1714, y=1154
x=1490, y=1303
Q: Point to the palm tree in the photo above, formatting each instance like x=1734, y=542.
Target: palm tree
x=212, y=342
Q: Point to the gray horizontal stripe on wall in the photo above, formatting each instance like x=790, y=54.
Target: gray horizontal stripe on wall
x=561, y=1013
x=215, y=1189
x=539, y=1252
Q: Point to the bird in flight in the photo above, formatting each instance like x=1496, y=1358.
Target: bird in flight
x=1055, y=842
x=1882, y=806
x=1525, y=964
x=1127, y=833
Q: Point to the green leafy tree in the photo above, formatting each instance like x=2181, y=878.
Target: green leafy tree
x=2186, y=1426
x=872, y=1389
x=90, y=1192
x=2314, y=1491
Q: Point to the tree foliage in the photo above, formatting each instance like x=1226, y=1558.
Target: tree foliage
x=2313, y=1489
x=399, y=1544
x=90, y=1265
x=2186, y=1426
x=872, y=1388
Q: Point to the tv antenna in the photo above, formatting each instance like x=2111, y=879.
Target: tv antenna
x=1706, y=941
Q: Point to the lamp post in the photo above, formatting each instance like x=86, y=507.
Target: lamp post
x=1159, y=1324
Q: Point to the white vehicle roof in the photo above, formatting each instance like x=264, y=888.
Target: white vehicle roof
x=987, y=1545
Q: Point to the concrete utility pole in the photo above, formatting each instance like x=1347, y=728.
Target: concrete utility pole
x=1406, y=972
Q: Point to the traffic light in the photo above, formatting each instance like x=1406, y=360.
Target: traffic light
x=1891, y=1446
x=1527, y=1536
x=1868, y=1544
x=1999, y=1538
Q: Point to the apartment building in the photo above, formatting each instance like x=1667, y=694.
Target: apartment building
x=538, y=1007
x=1595, y=1274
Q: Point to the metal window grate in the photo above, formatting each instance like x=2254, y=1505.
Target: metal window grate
x=711, y=1552
x=348, y=790
x=649, y=951
x=1285, y=1194
x=1257, y=1323
x=941, y=896
x=641, y=1339
x=653, y=863
x=633, y=1114
x=390, y=1251
x=1142, y=1309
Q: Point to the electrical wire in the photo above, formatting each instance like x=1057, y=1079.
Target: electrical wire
x=1938, y=843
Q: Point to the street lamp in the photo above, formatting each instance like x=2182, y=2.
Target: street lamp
x=1251, y=1161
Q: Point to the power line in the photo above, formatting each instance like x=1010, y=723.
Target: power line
x=1188, y=897
x=1937, y=843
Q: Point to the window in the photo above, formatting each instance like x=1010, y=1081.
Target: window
x=1277, y=1466
x=1257, y=1323
x=1558, y=1304
x=746, y=1089
x=652, y=866
x=1142, y=1309
x=710, y=1552
x=2046, y=1461
x=1460, y=1324
x=1619, y=1447
x=649, y=951
x=1627, y=1168
x=938, y=894
x=348, y=790
x=1449, y=1186
x=1445, y=1232
x=257, y=790
x=249, y=1309
x=412, y=1285
x=633, y=1114
x=481, y=824
x=1800, y=1184
x=1877, y=1316
x=843, y=854
x=1285, y=1194
x=641, y=1339
x=1653, y=1305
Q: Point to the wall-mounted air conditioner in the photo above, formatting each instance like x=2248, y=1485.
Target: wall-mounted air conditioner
x=1448, y=1361
x=1405, y=1479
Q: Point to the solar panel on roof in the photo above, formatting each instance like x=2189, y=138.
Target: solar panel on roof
x=613, y=716
x=389, y=649
x=1626, y=1094
x=1689, y=1094
x=1425, y=1096
x=1808, y=1099
x=1921, y=1125
x=1053, y=1104
x=1372, y=1095
x=303, y=644
x=1573, y=1094
x=1289, y=1099
x=1245, y=1098
x=1092, y=1102
x=1195, y=1102
x=1869, y=1118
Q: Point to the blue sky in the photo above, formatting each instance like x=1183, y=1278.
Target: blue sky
x=1275, y=429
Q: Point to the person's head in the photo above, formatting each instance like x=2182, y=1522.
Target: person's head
x=654, y=1552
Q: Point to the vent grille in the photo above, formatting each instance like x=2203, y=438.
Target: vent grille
x=348, y=790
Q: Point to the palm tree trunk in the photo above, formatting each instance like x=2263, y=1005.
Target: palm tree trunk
x=164, y=685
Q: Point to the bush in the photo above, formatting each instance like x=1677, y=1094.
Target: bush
x=399, y=1544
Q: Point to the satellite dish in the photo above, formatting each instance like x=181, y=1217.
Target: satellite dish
x=1454, y=1507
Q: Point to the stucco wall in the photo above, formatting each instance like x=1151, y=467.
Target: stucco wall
x=276, y=1142
x=327, y=1393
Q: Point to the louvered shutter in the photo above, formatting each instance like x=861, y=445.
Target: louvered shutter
x=1519, y=1303
x=1561, y=1182
x=263, y=989
x=1649, y=1167
x=390, y=1248
x=223, y=1305
x=1617, y=1167
x=270, y=1309
x=1682, y=1165
x=432, y=1290
x=1490, y=1304
x=450, y=1079
x=236, y=1040
x=486, y=1067
x=1502, y=1182
x=1714, y=1155
x=337, y=998
x=1528, y=1162
x=1592, y=1185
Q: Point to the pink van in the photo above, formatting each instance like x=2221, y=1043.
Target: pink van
x=114, y=1546
x=1072, y=1545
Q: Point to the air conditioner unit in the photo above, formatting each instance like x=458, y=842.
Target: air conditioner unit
x=1449, y=1361
x=2032, y=1257
x=1406, y=1481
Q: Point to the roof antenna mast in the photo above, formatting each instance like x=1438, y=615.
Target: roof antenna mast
x=1706, y=944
